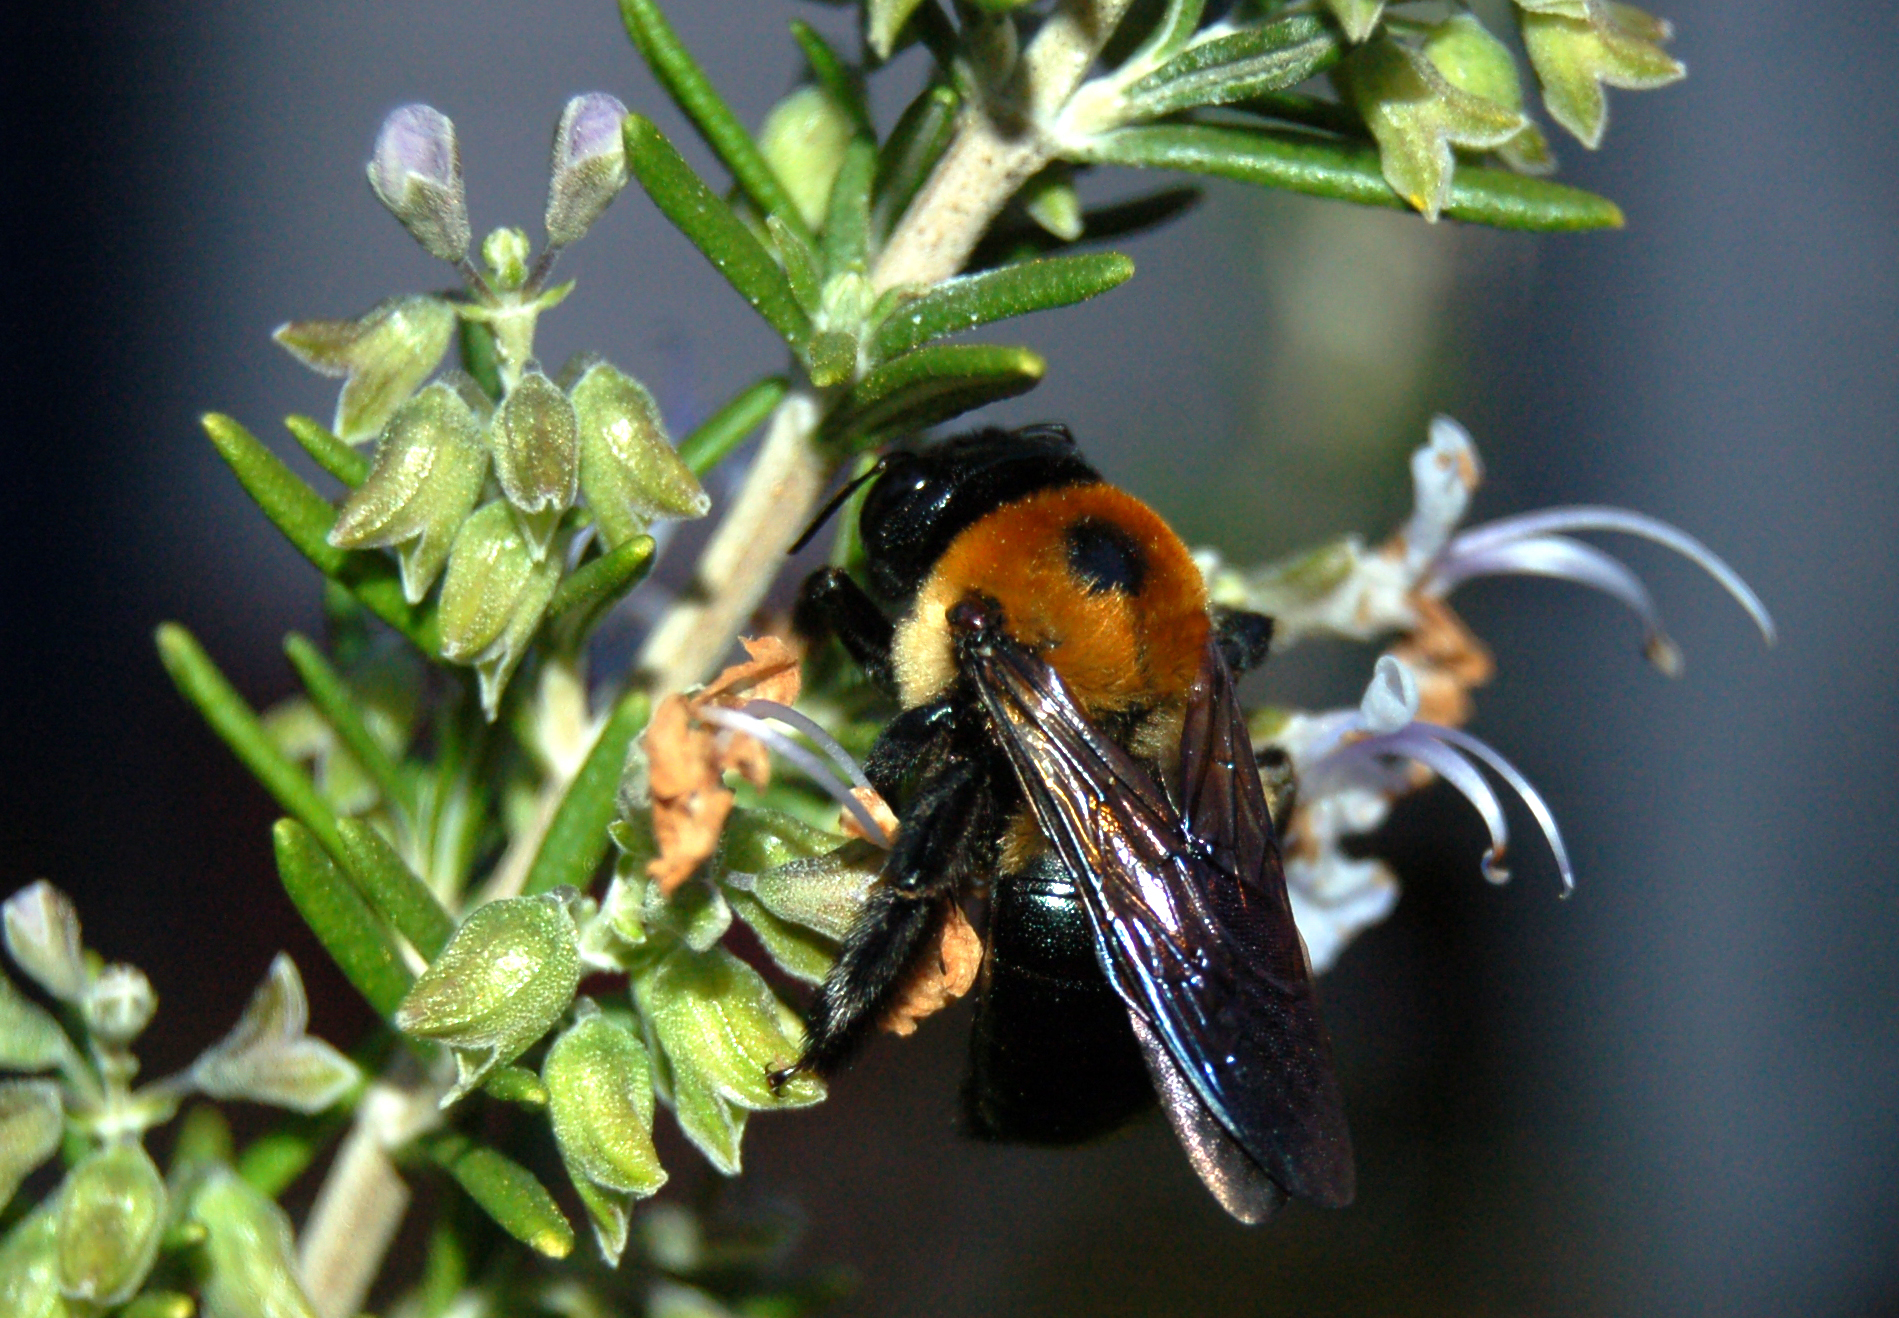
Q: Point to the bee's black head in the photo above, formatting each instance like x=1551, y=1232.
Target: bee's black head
x=926, y=497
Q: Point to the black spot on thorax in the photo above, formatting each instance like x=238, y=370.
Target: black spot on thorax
x=1105, y=557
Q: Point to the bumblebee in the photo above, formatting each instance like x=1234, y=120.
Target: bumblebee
x=1071, y=746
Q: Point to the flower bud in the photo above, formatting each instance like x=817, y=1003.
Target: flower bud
x=628, y=469
x=493, y=598
x=248, y=1245
x=386, y=354
x=32, y=1119
x=29, y=1268
x=803, y=140
x=268, y=1058
x=500, y=984
x=1576, y=55
x=536, y=442
x=430, y=465
x=30, y=1039
x=722, y=1031
x=589, y=166
x=600, y=1096
x=505, y=252
x=1416, y=116
x=1472, y=60
x=1050, y=199
x=416, y=171
x=111, y=1215
x=1357, y=17
x=119, y=1005
x=43, y=936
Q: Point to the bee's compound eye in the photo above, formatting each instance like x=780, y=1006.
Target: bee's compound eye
x=1105, y=557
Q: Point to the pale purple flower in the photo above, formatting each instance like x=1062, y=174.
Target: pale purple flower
x=416, y=171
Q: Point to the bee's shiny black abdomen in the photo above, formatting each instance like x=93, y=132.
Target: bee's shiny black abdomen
x=1052, y=1059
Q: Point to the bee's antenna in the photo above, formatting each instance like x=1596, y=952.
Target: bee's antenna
x=837, y=501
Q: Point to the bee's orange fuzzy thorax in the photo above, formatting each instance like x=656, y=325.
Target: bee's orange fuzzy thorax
x=1115, y=650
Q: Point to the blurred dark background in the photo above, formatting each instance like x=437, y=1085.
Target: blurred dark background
x=1677, y=1093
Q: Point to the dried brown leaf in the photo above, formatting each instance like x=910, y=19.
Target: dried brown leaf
x=879, y=810
x=1447, y=659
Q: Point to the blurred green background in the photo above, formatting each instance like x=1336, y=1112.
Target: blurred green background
x=1677, y=1093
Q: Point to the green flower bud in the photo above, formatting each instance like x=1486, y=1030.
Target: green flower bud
x=430, y=465
x=1417, y=116
x=1576, y=55
x=1358, y=17
x=416, y=171
x=30, y=1039
x=503, y=980
x=600, y=1095
x=628, y=469
x=1472, y=60
x=493, y=598
x=269, y=1058
x=505, y=252
x=32, y=1119
x=804, y=139
x=1052, y=202
x=29, y=1269
x=831, y=357
x=43, y=936
x=536, y=442
x=720, y=1031
x=252, y=1257
x=589, y=166
x=386, y=354
x=119, y=1005
x=111, y=1215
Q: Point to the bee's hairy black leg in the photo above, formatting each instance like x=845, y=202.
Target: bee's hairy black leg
x=830, y=603
x=911, y=745
x=948, y=834
x=1244, y=638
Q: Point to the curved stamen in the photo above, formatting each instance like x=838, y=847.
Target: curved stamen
x=1569, y=560
x=1594, y=517
x=1415, y=743
x=813, y=731
x=813, y=766
x=1531, y=798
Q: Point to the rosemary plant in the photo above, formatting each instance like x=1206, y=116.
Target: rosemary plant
x=479, y=823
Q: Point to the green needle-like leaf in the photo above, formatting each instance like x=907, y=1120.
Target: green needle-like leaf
x=930, y=385
x=1015, y=290
x=238, y=726
x=329, y=452
x=1246, y=63
x=800, y=265
x=506, y=1191
x=342, y=710
x=832, y=74
x=679, y=73
x=340, y=919
x=711, y=226
x=1348, y=171
x=305, y=518
x=847, y=222
x=731, y=425
x=392, y=889
x=577, y=841
x=588, y=593
x=917, y=142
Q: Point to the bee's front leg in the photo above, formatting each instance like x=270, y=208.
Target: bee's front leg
x=831, y=603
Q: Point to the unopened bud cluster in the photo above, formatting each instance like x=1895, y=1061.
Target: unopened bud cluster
x=93, y=1242
x=1438, y=89
x=482, y=484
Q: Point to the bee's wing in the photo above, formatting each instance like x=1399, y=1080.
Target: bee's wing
x=1192, y=925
